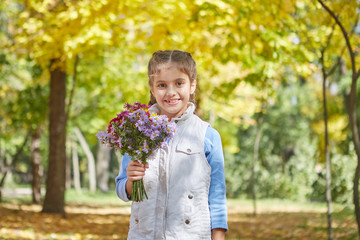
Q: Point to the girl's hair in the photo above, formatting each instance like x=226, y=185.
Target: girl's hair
x=183, y=60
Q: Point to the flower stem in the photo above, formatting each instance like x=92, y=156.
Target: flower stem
x=138, y=191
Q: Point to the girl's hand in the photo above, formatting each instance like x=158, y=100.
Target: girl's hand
x=134, y=171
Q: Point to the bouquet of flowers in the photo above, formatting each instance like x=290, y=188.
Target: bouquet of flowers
x=138, y=133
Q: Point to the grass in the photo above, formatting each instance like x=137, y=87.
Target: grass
x=283, y=205
x=235, y=205
x=74, y=197
x=98, y=198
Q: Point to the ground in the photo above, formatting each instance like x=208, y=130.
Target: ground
x=277, y=220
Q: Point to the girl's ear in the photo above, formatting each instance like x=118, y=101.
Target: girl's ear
x=193, y=87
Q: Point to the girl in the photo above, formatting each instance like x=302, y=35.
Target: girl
x=185, y=182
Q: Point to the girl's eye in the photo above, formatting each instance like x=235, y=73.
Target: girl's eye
x=161, y=85
x=179, y=83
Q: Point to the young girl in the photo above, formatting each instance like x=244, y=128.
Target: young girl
x=185, y=182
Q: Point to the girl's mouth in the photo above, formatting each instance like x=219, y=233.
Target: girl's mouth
x=172, y=101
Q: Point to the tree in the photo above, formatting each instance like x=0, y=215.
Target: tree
x=24, y=111
x=47, y=33
x=326, y=141
x=36, y=167
x=76, y=169
x=13, y=163
x=55, y=183
x=32, y=105
x=254, y=167
x=90, y=158
x=53, y=33
x=102, y=167
x=352, y=110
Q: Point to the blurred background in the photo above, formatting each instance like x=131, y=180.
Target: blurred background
x=277, y=79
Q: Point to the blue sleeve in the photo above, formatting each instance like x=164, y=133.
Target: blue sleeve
x=121, y=179
x=217, y=193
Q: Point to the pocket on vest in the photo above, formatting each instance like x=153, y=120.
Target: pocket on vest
x=189, y=149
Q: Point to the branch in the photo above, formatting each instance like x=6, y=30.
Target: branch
x=15, y=158
x=348, y=44
x=73, y=86
x=332, y=70
x=323, y=50
x=357, y=74
x=329, y=37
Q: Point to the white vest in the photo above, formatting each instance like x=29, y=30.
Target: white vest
x=177, y=184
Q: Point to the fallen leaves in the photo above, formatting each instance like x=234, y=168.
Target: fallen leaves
x=111, y=222
x=30, y=224
x=290, y=225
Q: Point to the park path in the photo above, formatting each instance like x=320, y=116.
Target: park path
x=18, y=192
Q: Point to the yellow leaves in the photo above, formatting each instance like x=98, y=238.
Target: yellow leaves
x=24, y=15
x=32, y=26
x=288, y=6
x=92, y=36
x=336, y=128
x=82, y=222
x=64, y=32
x=276, y=219
x=240, y=103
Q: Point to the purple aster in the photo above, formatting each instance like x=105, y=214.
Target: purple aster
x=145, y=147
x=154, y=134
x=101, y=135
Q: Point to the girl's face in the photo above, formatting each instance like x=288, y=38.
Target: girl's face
x=171, y=89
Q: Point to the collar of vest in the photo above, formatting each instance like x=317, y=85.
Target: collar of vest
x=188, y=113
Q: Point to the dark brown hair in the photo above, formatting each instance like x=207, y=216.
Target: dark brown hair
x=183, y=60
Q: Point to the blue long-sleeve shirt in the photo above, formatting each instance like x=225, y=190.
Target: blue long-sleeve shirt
x=217, y=192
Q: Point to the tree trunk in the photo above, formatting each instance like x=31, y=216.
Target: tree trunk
x=102, y=167
x=352, y=112
x=55, y=184
x=327, y=153
x=2, y=149
x=68, y=170
x=2, y=157
x=118, y=158
x=76, y=169
x=255, y=163
x=90, y=157
x=37, y=170
x=12, y=163
x=356, y=140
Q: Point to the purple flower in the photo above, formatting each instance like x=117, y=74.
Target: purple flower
x=145, y=147
x=101, y=135
x=137, y=132
x=154, y=134
x=138, y=152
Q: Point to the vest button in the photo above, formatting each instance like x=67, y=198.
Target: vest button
x=187, y=221
x=136, y=220
x=190, y=196
x=188, y=150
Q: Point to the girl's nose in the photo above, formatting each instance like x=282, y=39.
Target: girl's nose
x=170, y=91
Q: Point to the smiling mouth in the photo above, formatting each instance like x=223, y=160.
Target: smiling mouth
x=172, y=101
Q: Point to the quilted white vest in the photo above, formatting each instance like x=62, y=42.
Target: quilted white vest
x=177, y=184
